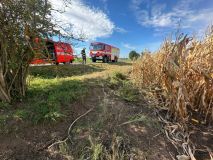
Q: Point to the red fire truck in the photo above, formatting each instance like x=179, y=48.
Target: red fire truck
x=104, y=52
x=48, y=51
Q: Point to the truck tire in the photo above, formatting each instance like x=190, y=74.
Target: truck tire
x=71, y=61
x=108, y=59
x=105, y=60
x=94, y=60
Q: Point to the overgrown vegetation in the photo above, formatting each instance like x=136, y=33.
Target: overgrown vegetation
x=21, y=21
x=47, y=98
x=24, y=23
x=180, y=77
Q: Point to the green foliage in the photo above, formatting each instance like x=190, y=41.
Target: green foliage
x=3, y=119
x=128, y=92
x=4, y=105
x=96, y=148
x=123, y=87
x=133, y=55
x=119, y=76
x=116, y=80
x=21, y=21
x=46, y=97
x=45, y=112
x=22, y=114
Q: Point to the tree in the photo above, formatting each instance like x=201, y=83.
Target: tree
x=21, y=21
x=133, y=55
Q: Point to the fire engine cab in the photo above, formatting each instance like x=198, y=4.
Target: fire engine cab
x=104, y=52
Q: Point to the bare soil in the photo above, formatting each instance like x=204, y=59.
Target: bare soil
x=141, y=139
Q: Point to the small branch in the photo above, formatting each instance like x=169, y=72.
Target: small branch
x=69, y=130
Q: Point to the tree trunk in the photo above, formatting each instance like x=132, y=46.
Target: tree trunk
x=4, y=95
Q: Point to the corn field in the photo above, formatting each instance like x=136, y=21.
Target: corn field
x=180, y=77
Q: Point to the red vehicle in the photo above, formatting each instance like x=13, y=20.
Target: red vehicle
x=104, y=52
x=49, y=51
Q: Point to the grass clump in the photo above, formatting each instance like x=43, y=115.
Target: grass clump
x=3, y=119
x=96, y=148
x=119, y=76
x=128, y=92
x=4, y=105
x=22, y=114
x=123, y=87
x=45, y=112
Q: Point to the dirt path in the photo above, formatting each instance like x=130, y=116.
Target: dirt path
x=115, y=129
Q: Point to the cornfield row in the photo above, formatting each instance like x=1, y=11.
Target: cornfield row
x=180, y=76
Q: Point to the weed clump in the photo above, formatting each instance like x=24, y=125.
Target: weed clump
x=128, y=92
x=123, y=87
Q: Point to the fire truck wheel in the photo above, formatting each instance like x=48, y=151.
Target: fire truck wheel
x=57, y=63
x=71, y=61
x=64, y=63
x=93, y=60
x=107, y=59
x=104, y=59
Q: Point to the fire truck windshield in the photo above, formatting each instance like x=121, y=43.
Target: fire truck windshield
x=97, y=47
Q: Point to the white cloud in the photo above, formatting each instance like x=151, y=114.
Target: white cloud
x=121, y=30
x=128, y=46
x=87, y=21
x=184, y=12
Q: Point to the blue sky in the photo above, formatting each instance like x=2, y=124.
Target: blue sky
x=135, y=24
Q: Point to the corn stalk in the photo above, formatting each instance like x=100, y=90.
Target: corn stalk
x=180, y=76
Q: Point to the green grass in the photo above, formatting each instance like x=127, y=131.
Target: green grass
x=123, y=87
x=46, y=97
x=53, y=89
x=4, y=105
x=128, y=92
x=50, y=94
x=22, y=114
x=62, y=71
x=79, y=60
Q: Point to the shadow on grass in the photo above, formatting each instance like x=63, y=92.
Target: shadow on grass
x=121, y=63
x=62, y=71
